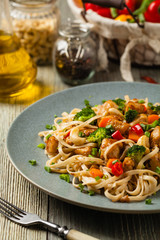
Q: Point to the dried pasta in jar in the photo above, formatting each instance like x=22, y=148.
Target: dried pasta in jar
x=36, y=25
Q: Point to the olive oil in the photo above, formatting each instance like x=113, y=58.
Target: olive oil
x=17, y=70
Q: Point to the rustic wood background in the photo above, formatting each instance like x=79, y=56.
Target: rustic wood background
x=13, y=187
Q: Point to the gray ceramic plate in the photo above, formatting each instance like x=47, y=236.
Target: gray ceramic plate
x=23, y=139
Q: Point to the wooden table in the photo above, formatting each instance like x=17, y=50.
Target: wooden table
x=16, y=189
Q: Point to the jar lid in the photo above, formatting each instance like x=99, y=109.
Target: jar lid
x=74, y=29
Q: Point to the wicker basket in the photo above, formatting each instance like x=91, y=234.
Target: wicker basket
x=125, y=41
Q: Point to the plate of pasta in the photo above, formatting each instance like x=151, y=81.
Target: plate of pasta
x=96, y=146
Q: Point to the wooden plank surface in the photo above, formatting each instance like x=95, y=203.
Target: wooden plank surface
x=106, y=226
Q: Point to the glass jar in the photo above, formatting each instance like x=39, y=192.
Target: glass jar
x=17, y=69
x=75, y=54
x=36, y=25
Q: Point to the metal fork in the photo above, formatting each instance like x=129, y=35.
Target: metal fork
x=27, y=219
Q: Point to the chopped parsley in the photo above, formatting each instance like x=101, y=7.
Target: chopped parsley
x=157, y=170
x=91, y=192
x=141, y=101
x=94, y=152
x=65, y=177
x=48, y=126
x=81, y=134
x=41, y=145
x=54, y=128
x=97, y=178
x=32, y=162
x=147, y=133
x=48, y=136
x=148, y=201
x=48, y=169
x=120, y=102
x=81, y=186
x=114, y=161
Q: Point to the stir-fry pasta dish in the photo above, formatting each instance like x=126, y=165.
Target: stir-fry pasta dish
x=110, y=149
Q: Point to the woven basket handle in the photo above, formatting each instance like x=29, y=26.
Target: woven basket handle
x=107, y=3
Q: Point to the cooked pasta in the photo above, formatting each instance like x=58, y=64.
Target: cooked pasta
x=110, y=149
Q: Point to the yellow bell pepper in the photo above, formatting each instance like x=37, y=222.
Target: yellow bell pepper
x=123, y=18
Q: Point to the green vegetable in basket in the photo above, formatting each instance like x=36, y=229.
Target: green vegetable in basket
x=143, y=7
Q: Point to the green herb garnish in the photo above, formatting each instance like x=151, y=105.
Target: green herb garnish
x=41, y=145
x=94, y=152
x=81, y=134
x=65, y=177
x=48, y=136
x=120, y=102
x=91, y=192
x=54, y=128
x=148, y=201
x=147, y=133
x=114, y=161
x=141, y=101
x=48, y=126
x=48, y=169
x=97, y=178
x=32, y=162
x=157, y=170
x=81, y=186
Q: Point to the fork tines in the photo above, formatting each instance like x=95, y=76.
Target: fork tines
x=10, y=210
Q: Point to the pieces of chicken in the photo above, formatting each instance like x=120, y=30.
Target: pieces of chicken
x=103, y=109
x=128, y=164
x=140, y=108
x=52, y=145
x=123, y=127
x=142, y=118
x=85, y=151
x=87, y=131
x=155, y=137
x=115, y=152
x=154, y=162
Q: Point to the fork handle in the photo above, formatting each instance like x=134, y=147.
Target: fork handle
x=65, y=232
x=76, y=235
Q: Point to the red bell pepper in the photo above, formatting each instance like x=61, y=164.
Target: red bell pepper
x=131, y=4
x=67, y=135
x=104, y=12
x=117, y=135
x=117, y=169
x=152, y=13
x=149, y=79
x=92, y=6
x=137, y=129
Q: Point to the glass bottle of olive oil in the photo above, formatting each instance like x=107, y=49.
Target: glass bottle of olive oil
x=17, y=70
